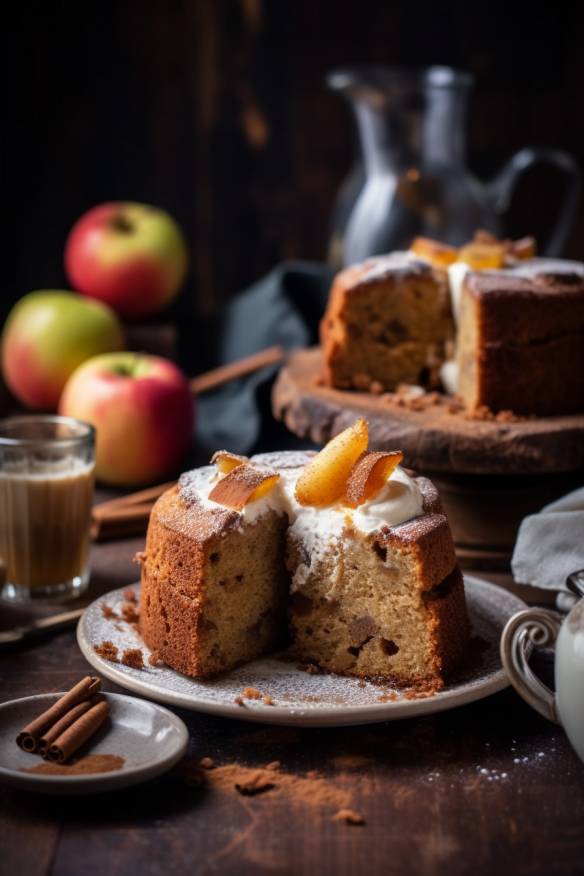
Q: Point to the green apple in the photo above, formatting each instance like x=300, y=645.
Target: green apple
x=47, y=335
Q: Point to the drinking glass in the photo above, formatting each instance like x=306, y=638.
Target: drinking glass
x=46, y=485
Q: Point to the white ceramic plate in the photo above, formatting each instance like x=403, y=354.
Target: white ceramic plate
x=299, y=698
x=150, y=738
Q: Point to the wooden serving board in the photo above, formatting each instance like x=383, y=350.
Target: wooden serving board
x=490, y=474
x=432, y=439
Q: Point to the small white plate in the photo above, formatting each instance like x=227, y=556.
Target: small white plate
x=150, y=738
x=299, y=698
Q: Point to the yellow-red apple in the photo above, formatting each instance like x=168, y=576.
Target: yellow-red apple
x=132, y=256
x=142, y=410
x=47, y=335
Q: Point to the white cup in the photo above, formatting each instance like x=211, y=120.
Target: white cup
x=538, y=627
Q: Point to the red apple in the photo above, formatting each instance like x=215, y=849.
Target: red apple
x=47, y=335
x=142, y=409
x=132, y=256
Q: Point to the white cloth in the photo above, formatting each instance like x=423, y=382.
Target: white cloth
x=550, y=545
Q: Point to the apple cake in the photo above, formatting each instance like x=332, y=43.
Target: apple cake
x=387, y=322
x=502, y=328
x=344, y=554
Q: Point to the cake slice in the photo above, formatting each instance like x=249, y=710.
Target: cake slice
x=214, y=581
x=387, y=322
x=376, y=590
x=520, y=343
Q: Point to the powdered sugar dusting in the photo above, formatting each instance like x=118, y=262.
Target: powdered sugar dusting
x=394, y=263
x=299, y=697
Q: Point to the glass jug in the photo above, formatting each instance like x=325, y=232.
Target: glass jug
x=411, y=177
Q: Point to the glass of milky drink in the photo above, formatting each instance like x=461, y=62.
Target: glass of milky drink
x=46, y=486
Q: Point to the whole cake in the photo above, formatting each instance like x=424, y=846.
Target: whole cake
x=344, y=553
x=501, y=328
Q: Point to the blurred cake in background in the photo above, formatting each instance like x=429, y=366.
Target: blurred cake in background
x=489, y=322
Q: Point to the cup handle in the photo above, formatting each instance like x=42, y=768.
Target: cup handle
x=526, y=630
x=501, y=188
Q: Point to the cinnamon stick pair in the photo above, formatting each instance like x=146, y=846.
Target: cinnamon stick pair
x=68, y=723
x=126, y=516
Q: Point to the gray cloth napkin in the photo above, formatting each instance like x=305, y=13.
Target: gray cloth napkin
x=550, y=545
x=282, y=308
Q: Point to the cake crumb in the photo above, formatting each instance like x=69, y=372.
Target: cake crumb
x=267, y=700
x=481, y=414
x=139, y=558
x=376, y=388
x=273, y=765
x=349, y=816
x=107, y=650
x=310, y=668
x=255, y=784
x=155, y=659
x=133, y=657
x=130, y=595
x=361, y=382
x=387, y=697
x=252, y=693
x=207, y=763
x=108, y=612
x=129, y=613
x=238, y=700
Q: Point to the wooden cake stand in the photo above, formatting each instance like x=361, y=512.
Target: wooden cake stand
x=490, y=473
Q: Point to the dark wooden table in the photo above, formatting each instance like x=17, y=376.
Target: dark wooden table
x=487, y=788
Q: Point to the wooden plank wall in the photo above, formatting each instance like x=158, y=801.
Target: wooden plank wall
x=217, y=110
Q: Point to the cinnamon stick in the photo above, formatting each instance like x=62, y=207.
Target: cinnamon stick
x=68, y=718
x=29, y=736
x=234, y=370
x=142, y=497
x=79, y=732
x=120, y=521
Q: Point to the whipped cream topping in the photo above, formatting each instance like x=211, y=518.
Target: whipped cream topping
x=392, y=263
x=398, y=501
x=456, y=274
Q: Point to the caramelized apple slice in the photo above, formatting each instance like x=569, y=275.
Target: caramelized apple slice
x=523, y=248
x=438, y=254
x=226, y=461
x=323, y=479
x=483, y=256
x=481, y=235
x=369, y=475
x=243, y=484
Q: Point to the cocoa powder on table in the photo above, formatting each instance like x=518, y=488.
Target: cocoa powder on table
x=310, y=789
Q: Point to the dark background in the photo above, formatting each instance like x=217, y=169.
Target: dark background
x=217, y=111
